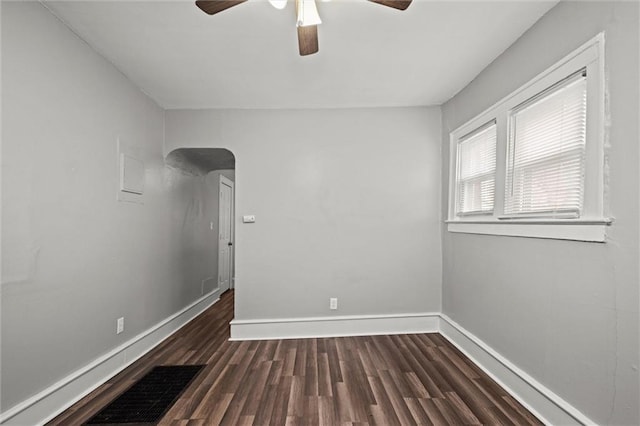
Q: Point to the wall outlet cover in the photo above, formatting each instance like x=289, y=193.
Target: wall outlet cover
x=333, y=303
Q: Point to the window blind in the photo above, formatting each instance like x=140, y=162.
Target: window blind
x=476, y=171
x=546, y=158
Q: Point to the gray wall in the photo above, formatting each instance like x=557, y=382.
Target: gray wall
x=564, y=312
x=346, y=203
x=74, y=258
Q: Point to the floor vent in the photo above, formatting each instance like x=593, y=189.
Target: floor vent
x=147, y=400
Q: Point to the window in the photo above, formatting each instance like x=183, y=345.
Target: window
x=475, y=185
x=533, y=164
x=546, y=152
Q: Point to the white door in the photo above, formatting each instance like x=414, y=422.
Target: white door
x=225, y=236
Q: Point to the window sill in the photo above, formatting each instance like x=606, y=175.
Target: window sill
x=557, y=229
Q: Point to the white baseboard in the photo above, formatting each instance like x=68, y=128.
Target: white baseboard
x=541, y=401
x=53, y=400
x=357, y=325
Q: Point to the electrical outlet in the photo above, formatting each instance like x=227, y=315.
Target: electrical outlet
x=120, y=325
x=333, y=303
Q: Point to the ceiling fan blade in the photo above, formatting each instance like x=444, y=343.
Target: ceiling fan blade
x=211, y=7
x=308, y=40
x=396, y=4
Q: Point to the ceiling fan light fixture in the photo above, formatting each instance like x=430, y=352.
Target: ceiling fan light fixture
x=278, y=4
x=307, y=13
x=307, y=17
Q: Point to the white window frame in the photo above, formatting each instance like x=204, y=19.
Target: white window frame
x=592, y=223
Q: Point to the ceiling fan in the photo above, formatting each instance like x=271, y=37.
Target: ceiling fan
x=308, y=18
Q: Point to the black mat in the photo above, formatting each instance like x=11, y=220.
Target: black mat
x=149, y=398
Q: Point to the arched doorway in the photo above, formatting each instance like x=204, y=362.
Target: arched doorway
x=215, y=168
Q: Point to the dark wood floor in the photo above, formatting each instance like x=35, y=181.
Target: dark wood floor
x=385, y=380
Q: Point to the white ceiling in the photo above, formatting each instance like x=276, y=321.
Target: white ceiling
x=247, y=56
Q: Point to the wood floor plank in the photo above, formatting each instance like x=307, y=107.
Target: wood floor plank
x=400, y=382
x=267, y=403
x=417, y=361
x=377, y=416
x=343, y=402
x=418, y=390
x=289, y=362
x=300, y=366
x=359, y=394
x=378, y=361
x=386, y=380
x=387, y=414
x=295, y=407
x=448, y=411
x=279, y=413
x=395, y=397
x=390, y=352
x=464, y=412
x=497, y=396
x=432, y=411
x=234, y=410
x=326, y=411
x=359, y=390
x=220, y=408
x=334, y=361
x=311, y=415
x=453, y=356
x=324, y=375
x=419, y=416
x=311, y=368
x=257, y=392
x=245, y=421
x=365, y=357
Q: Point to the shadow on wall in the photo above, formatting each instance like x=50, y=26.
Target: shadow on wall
x=201, y=161
x=196, y=172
